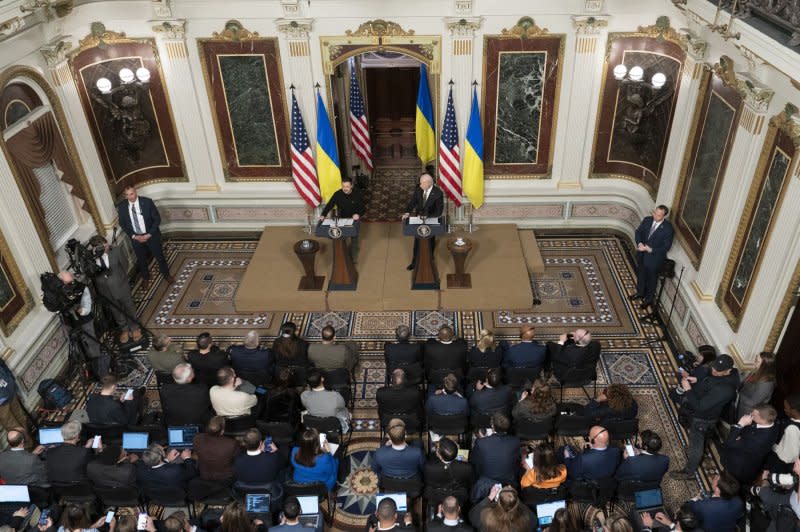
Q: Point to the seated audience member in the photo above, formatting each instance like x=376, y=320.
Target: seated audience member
x=112, y=468
x=329, y=354
x=398, y=398
x=722, y=510
x=448, y=518
x=76, y=519
x=564, y=521
x=781, y=500
x=598, y=462
x=573, y=350
x=402, y=352
x=528, y=353
x=615, y=402
x=165, y=354
x=289, y=349
x=207, y=359
x=320, y=402
x=535, y=405
x=227, y=399
x=185, y=402
x=757, y=387
x=491, y=395
x=486, y=353
x=251, y=359
x=618, y=523
x=447, y=401
x=20, y=467
x=546, y=472
x=787, y=450
x=495, y=457
x=283, y=401
x=501, y=509
x=385, y=518
x=398, y=459
x=312, y=462
x=646, y=465
x=67, y=462
x=444, y=473
x=105, y=409
x=445, y=351
x=259, y=464
x=234, y=518
x=748, y=444
x=685, y=521
x=215, y=452
x=158, y=469
x=290, y=517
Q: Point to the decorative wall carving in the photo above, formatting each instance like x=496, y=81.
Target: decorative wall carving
x=378, y=28
x=43, y=359
x=606, y=210
x=171, y=29
x=525, y=28
x=234, y=31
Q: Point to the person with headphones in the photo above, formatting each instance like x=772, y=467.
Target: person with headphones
x=645, y=465
x=597, y=462
x=397, y=459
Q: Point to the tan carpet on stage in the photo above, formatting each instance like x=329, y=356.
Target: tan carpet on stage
x=500, y=278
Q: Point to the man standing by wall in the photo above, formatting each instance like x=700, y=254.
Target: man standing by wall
x=139, y=218
x=653, y=240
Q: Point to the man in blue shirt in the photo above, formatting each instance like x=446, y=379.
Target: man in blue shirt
x=397, y=459
x=724, y=508
x=447, y=401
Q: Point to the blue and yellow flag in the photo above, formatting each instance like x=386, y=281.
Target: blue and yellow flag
x=426, y=136
x=473, y=155
x=330, y=178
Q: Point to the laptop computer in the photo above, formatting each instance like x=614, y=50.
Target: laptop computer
x=309, y=511
x=13, y=497
x=51, y=436
x=257, y=505
x=135, y=441
x=545, y=512
x=400, y=500
x=650, y=501
x=181, y=437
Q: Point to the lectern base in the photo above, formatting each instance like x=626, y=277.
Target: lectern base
x=455, y=280
x=311, y=283
x=344, y=286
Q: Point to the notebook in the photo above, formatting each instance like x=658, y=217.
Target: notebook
x=399, y=500
x=181, y=437
x=649, y=501
x=546, y=511
x=134, y=441
x=50, y=436
x=309, y=511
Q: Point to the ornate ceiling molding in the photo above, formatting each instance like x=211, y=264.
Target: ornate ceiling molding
x=525, y=28
x=171, y=29
x=379, y=28
x=56, y=52
x=589, y=25
x=234, y=31
x=463, y=27
x=296, y=29
x=100, y=36
x=11, y=26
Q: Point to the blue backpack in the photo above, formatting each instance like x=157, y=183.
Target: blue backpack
x=54, y=394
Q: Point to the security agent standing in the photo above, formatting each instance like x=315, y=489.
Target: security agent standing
x=81, y=314
x=428, y=202
x=348, y=203
x=112, y=283
x=653, y=240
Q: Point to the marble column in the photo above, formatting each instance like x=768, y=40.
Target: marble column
x=55, y=55
x=174, y=58
x=574, y=159
x=685, y=108
x=747, y=145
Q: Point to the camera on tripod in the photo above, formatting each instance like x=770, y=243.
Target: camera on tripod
x=83, y=258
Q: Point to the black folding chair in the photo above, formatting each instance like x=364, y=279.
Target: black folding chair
x=412, y=487
x=340, y=380
x=325, y=425
x=238, y=425
x=579, y=377
x=111, y=434
x=626, y=489
x=257, y=378
x=73, y=493
x=449, y=425
x=533, y=496
x=517, y=377
x=167, y=497
x=596, y=492
x=281, y=433
x=573, y=425
x=122, y=496
x=621, y=429
x=525, y=429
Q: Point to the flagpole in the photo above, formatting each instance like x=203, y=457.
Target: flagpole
x=318, y=209
x=309, y=228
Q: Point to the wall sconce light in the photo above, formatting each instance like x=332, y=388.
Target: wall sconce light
x=636, y=75
x=123, y=101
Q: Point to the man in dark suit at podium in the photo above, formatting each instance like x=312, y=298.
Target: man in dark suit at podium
x=653, y=240
x=428, y=202
x=139, y=218
x=346, y=202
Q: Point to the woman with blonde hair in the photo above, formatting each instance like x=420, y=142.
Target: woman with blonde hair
x=486, y=353
x=501, y=511
x=536, y=405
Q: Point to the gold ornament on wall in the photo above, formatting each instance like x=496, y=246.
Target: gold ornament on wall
x=787, y=122
x=99, y=36
x=662, y=30
x=379, y=28
x=525, y=28
x=234, y=31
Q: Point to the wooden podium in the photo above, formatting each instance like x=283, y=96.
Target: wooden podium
x=425, y=276
x=343, y=273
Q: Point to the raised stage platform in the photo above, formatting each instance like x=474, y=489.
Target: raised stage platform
x=499, y=263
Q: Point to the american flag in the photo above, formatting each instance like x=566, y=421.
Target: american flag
x=449, y=155
x=303, y=172
x=359, y=129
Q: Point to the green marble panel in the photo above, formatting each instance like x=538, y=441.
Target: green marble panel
x=244, y=78
x=761, y=221
x=520, y=88
x=705, y=176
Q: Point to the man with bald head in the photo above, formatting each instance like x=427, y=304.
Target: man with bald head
x=573, y=350
x=427, y=202
x=598, y=461
x=18, y=466
x=448, y=518
x=528, y=353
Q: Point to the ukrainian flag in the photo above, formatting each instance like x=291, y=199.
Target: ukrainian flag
x=473, y=155
x=330, y=178
x=426, y=136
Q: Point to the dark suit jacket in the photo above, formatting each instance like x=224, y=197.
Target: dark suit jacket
x=660, y=241
x=448, y=476
x=446, y=404
x=430, y=209
x=258, y=469
x=23, y=468
x=394, y=400
x=746, y=449
x=718, y=514
x=401, y=354
x=491, y=358
x=113, y=282
x=254, y=360
x=601, y=410
x=564, y=357
x=205, y=366
x=491, y=400
x=107, y=410
x=643, y=467
x=185, y=404
x=593, y=464
x=439, y=355
x=398, y=464
x=152, y=220
x=438, y=526
x=497, y=457
x=525, y=355
x=111, y=476
x=67, y=463
x=165, y=476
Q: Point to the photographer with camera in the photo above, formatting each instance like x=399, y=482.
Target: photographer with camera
x=111, y=281
x=574, y=350
x=79, y=312
x=781, y=500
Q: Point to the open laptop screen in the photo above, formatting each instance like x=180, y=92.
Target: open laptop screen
x=257, y=503
x=14, y=493
x=399, y=500
x=50, y=436
x=546, y=511
x=309, y=505
x=134, y=441
x=648, y=499
x=182, y=436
